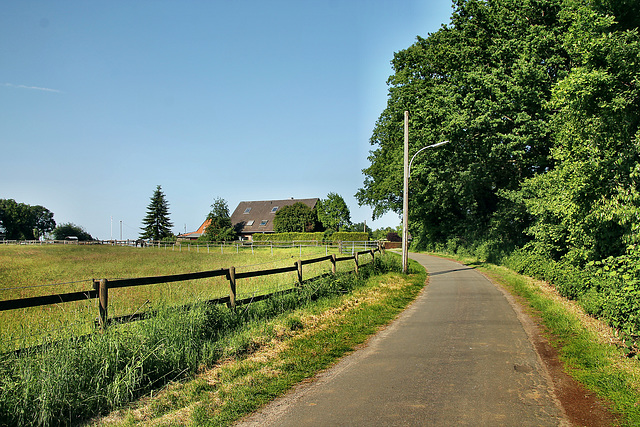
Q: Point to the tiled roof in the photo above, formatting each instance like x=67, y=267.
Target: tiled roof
x=257, y=216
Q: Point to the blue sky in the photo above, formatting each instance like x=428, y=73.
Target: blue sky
x=100, y=101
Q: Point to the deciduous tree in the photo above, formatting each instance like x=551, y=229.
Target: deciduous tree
x=70, y=229
x=295, y=218
x=482, y=82
x=21, y=221
x=219, y=228
x=588, y=206
x=333, y=212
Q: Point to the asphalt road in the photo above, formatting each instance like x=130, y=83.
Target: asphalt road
x=459, y=355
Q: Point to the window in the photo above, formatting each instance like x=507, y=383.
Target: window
x=250, y=223
x=247, y=210
x=264, y=222
x=275, y=209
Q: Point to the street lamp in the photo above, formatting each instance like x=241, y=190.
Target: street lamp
x=422, y=149
x=405, y=196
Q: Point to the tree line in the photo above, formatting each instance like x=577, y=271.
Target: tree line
x=330, y=215
x=540, y=103
x=20, y=221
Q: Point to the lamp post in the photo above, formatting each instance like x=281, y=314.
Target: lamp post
x=405, y=195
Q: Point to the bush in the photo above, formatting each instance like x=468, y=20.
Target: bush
x=392, y=236
x=453, y=244
x=569, y=280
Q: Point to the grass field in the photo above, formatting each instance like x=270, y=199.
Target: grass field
x=27, y=271
x=71, y=380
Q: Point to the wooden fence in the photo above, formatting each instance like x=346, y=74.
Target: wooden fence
x=101, y=287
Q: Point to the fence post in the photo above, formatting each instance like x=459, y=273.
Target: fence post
x=102, y=286
x=355, y=258
x=232, y=287
x=299, y=265
x=333, y=263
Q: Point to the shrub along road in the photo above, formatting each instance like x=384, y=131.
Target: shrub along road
x=462, y=354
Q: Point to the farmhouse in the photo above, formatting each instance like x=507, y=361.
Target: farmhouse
x=254, y=217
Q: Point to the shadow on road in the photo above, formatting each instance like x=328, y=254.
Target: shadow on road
x=439, y=273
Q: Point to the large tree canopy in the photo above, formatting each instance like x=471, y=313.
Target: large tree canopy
x=157, y=225
x=588, y=206
x=63, y=231
x=333, y=212
x=21, y=221
x=518, y=87
x=295, y=218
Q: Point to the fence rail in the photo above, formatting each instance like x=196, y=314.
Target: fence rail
x=101, y=287
x=157, y=243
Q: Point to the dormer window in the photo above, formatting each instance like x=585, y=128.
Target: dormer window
x=247, y=210
x=250, y=223
x=264, y=222
x=274, y=210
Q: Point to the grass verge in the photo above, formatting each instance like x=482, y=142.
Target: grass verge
x=275, y=354
x=589, y=349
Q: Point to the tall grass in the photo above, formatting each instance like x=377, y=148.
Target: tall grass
x=65, y=382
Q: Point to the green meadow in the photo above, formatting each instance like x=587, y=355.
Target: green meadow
x=69, y=381
x=28, y=271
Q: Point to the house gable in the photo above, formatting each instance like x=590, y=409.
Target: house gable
x=254, y=217
x=257, y=216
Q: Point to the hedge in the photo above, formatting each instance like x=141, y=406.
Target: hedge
x=350, y=236
x=340, y=236
x=570, y=281
x=288, y=237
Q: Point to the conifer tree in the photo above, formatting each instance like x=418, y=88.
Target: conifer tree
x=157, y=224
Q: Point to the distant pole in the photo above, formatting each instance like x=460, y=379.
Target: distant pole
x=120, y=230
x=405, y=196
x=112, y=227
